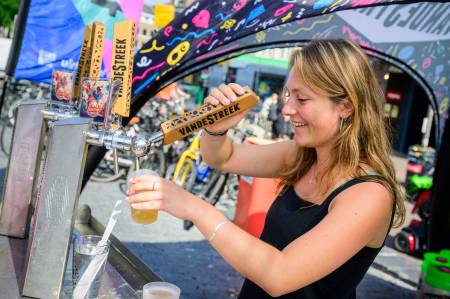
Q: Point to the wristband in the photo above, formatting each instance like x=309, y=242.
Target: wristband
x=216, y=230
x=216, y=133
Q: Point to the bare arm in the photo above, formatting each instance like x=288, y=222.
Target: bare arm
x=247, y=159
x=360, y=212
x=253, y=160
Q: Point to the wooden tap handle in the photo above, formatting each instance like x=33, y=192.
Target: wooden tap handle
x=206, y=115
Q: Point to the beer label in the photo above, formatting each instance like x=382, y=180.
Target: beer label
x=94, y=94
x=204, y=116
x=96, y=53
x=62, y=86
x=122, y=64
x=83, y=61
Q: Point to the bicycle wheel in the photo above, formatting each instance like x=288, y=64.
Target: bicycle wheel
x=155, y=161
x=104, y=173
x=169, y=171
x=214, y=188
x=211, y=192
x=232, y=187
x=187, y=175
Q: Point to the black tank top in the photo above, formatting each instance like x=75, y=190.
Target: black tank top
x=288, y=218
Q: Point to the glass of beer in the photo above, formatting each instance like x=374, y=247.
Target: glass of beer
x=161, y=290
x=142, y=216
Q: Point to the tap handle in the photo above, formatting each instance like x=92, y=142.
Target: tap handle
x=205, y=115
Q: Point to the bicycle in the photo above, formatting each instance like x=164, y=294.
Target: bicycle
x=190, y=168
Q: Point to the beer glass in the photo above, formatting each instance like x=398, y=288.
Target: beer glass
x=161, y=290
x=142, y=216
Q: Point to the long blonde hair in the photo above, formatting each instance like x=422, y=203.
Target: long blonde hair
x=342, y=70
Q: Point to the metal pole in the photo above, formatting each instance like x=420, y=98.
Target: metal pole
x=16, y=45
x=19, y=31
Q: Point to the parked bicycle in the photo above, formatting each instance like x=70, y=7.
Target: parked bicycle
x=190, y=169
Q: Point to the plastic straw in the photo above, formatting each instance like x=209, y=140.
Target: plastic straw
x=96, y=264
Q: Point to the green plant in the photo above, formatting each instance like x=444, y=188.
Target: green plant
x=8, y=9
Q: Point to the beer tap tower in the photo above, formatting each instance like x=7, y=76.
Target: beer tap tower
x=56, y=196
x=32, y=122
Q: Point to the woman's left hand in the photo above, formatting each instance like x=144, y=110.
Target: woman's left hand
x=155, y=193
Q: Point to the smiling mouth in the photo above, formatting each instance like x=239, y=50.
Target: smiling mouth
x=298, y=124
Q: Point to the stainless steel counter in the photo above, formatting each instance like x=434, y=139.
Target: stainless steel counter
x=124, y=276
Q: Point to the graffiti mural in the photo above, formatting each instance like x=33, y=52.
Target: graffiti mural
x=207, y=25
x=418, y=34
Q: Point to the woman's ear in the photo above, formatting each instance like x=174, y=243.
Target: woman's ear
x=347, y=108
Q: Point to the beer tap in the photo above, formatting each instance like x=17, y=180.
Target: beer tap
x=112, y=136
x=174, y=129
x=56, y=114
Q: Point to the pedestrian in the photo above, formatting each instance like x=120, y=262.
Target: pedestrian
x=338, y=194
x=276, y=117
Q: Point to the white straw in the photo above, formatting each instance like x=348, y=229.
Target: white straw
x=96, y=263
x=111, y=222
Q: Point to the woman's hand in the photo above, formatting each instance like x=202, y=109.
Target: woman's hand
x=155, y=193
x=225, y=94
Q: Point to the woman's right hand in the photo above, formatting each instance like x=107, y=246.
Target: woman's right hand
x=224, y=95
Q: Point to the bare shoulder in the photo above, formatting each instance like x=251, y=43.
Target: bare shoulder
x=372, y=195
x=369, y=204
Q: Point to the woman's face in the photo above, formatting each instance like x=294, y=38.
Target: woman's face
x=315, y=119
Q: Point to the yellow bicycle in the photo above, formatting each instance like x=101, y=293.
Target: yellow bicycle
x=190, y=168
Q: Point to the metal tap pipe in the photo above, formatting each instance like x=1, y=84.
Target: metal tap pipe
x=140, y=145
x=53, y=115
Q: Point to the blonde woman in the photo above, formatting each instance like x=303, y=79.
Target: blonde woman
x=339, y=196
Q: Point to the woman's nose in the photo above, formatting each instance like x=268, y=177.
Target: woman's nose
x=288, y=109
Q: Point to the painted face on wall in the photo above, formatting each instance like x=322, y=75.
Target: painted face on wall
x=314, y=117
